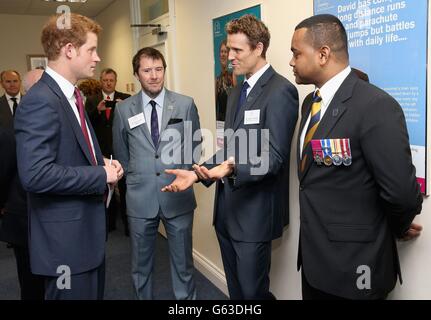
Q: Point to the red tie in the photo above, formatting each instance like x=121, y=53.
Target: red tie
x=108, y=110
x=80, y=105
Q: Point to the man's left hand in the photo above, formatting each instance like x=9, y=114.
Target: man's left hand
x=413, y=232
x=222, y=170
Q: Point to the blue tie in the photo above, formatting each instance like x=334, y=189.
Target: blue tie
x=154, y=125
x=242, y=97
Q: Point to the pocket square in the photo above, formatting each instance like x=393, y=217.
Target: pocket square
x=174, y=120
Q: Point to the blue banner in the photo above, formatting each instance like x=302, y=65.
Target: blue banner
x=388, y=41
x=224, y=80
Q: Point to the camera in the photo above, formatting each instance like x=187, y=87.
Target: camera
x=110, y=104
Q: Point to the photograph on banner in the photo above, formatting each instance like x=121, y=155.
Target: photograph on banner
x=376, y=29
x=224, y=80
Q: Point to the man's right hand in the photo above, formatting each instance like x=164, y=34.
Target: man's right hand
x=101, y=106
x=112, y=175
x=184, y=180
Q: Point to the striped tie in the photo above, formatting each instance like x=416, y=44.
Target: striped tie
x=312, y=126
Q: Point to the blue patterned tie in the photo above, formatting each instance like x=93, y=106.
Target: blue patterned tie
x=242, y=97
x=154, y=124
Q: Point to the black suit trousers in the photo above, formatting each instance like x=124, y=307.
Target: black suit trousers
x=246, y=266
x=88, y=285
x=32, y=286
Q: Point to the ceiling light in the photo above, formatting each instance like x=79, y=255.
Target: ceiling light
x=79, y=1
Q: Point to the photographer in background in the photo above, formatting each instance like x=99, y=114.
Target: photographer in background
x=100, y=109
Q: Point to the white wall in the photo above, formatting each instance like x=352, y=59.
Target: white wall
x=20, y=36
x=195, y=72
x=115, y=43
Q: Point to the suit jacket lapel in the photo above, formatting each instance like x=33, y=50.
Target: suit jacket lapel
x=231, y=107
x=305, y=112
x=97, y=151
x=253, y=95
x=137, y=108
x=168, y=109
x=5, y=112
x=332, y=115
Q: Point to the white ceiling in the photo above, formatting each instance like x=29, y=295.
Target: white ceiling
x=42, y=8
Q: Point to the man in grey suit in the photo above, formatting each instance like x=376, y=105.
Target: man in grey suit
x=252, y=199
x=11, y=83
x=152, y=132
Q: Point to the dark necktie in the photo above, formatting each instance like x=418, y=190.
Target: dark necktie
x=242, y=97
x=15, y=105
x=312, y=125
x=154, y=124
x=80, y=106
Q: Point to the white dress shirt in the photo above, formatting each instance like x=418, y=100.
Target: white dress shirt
x=111, y=96
x=10, y=102
x=254, y=78
x=160, y=99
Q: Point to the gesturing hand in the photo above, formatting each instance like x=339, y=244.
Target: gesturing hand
x=222, y=170
x=184, y=180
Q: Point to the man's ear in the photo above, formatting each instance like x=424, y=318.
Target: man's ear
x=324, y=53
x=259, y=48
x=69, y=50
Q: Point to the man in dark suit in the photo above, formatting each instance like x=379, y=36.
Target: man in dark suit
x=358, y=190
x=14, y=229
x=7, y=163
x=100, y=108
x=251, y=204
x=11, y=83
x=62, y=168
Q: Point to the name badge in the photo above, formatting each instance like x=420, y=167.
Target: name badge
x=136, y=120
x=252, y=117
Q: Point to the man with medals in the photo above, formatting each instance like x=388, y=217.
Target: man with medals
x=352, y=211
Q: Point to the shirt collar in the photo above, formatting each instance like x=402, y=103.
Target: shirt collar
x=18, y=96
x=111, y=95
x=159, y=99
x=255, y=77
x=66, y=87
x=329, y=89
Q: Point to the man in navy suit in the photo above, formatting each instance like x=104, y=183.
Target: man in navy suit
x=62, y=168
x=251, y=202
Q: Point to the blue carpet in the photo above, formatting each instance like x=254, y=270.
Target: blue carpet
x=118, y=278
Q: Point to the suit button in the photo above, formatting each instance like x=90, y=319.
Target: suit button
x=157, y=156
x=158, y=174
x=301, y=187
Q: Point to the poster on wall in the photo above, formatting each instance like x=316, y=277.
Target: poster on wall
x=224, y=80
x=388, y=41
